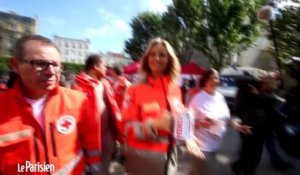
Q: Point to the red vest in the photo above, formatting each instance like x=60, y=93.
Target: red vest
x=87, y=85
x=146, y=101
x=69, y=130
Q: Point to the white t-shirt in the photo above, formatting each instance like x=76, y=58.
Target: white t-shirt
x=38, y=108
x=215, y=108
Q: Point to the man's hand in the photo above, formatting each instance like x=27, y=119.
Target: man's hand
x=236, y=124
x=245, y=129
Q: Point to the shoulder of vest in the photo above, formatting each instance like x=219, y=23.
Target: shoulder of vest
x=71, y=94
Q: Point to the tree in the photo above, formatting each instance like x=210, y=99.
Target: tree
x=287, y=32
x=227, y=27
x=180, y=23
x=145, y=26
x=4, y=68
x=72, y=67
x=218, y=28
x=176, y=26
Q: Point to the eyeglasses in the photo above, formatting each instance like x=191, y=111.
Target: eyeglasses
x=41, y=65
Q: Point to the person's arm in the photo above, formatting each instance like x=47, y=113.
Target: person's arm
x=193, y=144
x=238, y=103
x=201, y=119
x=114, y=112
x=235, y=123
x=163, y=122
x=133, y=124
x=89, y=129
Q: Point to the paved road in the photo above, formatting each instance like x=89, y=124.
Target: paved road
x=229, y=152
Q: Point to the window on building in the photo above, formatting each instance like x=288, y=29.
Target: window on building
x=27, y=30
x=11, y=41
x=66, y=52
x=12, y=26
x=86, y=46
x=79, y=46
x=11, y=51
x=66, y=44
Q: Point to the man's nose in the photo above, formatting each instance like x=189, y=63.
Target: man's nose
x=50, y=69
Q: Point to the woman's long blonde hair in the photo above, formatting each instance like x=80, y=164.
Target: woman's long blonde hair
x=173, y=69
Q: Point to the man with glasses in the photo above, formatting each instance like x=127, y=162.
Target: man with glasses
x=45, y=128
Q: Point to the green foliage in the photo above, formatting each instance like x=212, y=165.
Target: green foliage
x=227, y=27
x=4, y=68
x=218, y=28
x=180, y=23
x=145, y=26
x=287, y=32
x=72, y=67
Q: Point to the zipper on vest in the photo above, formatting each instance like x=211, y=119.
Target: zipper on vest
x=36, y=147
x=53, y=141
x=44, y=142
x=39, y=129
x=46, y=148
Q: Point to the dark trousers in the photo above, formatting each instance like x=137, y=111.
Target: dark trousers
x=276, y=159
x=251, y=151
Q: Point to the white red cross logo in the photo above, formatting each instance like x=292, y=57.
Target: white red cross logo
x=66, y=124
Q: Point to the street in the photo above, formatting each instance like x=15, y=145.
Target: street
x=229, y=153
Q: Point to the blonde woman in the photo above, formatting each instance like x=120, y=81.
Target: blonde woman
x=147, y=112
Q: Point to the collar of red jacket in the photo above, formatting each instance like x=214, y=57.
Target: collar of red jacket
x=162, y=82
x=83, y=78
x=17, y=90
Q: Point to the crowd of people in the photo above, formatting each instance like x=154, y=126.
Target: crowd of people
x=78, y=127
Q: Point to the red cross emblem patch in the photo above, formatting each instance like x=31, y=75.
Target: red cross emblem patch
x=66, y=124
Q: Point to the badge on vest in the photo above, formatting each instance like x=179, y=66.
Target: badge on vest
x=66, y=124
x=177, y=105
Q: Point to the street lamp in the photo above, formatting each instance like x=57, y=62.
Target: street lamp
x=266, y=13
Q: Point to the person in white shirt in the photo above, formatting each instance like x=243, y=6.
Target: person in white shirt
x=212, y=117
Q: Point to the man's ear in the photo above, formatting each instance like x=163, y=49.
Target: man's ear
x=13, y=63
x=95, y=67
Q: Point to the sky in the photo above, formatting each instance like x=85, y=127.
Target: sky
x=106, y=23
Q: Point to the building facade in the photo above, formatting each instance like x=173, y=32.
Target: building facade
x=115, y=59
x=12, y=27
x=73, y=50
x=258, y=56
